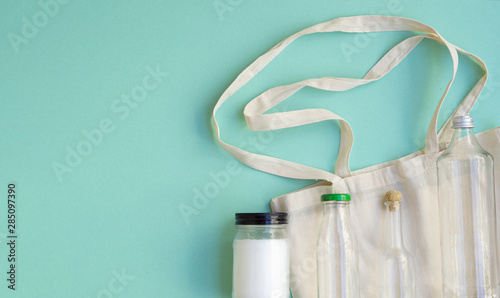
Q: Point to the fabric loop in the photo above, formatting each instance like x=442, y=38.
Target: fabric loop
x=255, y=109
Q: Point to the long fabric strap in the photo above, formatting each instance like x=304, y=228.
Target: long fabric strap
x=257, y=120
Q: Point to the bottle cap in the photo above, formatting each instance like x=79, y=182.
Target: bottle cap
x=335, y=197
x=393, y=199
x=278, y=218
x=463, y=122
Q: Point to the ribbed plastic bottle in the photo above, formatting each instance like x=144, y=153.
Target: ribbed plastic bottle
x=467, y=216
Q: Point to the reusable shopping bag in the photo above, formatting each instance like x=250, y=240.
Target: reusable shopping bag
x=414, y=175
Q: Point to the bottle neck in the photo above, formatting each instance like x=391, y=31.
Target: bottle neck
x=464, y=138
x=394, y=231
x=337, y=209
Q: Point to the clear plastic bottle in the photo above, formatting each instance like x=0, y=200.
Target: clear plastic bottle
x=467, y=216
x=261, y=256
x=397, y=276
x=337, y=250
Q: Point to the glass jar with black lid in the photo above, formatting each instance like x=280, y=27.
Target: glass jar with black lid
x=261, y=256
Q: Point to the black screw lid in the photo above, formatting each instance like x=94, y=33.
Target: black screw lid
x=261, y=218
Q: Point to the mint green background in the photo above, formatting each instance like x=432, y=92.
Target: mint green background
x=119, y=209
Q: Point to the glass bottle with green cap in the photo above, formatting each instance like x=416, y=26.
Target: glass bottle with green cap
x=337, y=250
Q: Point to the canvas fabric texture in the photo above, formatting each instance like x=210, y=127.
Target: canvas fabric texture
x=415, y=175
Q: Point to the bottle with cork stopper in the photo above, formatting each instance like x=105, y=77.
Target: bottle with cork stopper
x=397, y=277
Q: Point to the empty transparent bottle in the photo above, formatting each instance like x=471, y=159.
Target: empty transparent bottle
x=467, y=216
x=337, y=250
x=397, y=277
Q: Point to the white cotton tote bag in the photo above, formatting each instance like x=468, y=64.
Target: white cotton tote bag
x=414, y=175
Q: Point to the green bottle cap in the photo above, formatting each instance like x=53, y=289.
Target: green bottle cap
x=335, y=197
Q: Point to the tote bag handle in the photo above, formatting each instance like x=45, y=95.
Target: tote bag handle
x=257, y=120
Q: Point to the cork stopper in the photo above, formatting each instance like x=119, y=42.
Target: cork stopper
x=393, y=199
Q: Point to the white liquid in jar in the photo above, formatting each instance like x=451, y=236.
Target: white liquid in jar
x=261, y=268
